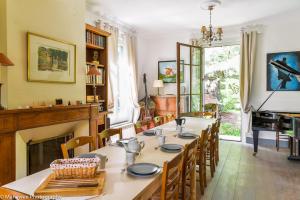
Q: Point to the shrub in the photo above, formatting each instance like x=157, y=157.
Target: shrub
x=229, y=129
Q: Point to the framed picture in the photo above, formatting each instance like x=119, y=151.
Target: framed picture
x=50, y=60
x=278, y=78
x=167, y=71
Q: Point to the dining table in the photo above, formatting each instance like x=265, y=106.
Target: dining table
x=118, y=184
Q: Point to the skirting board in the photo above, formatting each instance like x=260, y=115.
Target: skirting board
x=267, y=142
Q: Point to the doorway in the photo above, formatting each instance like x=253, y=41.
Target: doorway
x=221, y=86
x=189, y=84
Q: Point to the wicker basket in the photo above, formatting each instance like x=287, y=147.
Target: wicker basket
x=75, y=168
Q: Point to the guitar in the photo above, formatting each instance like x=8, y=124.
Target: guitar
x=146, y=99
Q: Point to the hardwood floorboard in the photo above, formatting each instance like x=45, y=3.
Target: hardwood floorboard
x=241, y=176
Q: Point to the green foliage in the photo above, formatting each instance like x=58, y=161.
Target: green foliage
x=229, y=129
x=222, y=73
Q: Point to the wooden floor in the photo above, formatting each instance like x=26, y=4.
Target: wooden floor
x=241, y=176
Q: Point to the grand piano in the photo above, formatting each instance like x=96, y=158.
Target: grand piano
x=275, y=121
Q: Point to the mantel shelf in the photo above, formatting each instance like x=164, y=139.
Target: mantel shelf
x=12, y=121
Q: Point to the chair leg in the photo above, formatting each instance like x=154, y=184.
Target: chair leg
x=217, y=151
x=201, y=178
x=204, y=169
x=212, y=163
x=277, y=140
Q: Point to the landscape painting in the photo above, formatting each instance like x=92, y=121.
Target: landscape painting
x=167, y=71
x=50, y=60
x=282, y=71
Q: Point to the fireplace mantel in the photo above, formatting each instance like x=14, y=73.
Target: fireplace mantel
x=12, y=121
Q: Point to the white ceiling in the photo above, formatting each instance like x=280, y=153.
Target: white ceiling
x=154, y=15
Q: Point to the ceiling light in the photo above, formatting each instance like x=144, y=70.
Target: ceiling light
x=209, y=35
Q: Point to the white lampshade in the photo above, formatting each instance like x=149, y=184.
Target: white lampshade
x=158, y=84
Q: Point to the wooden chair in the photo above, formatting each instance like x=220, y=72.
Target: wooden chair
x=169, y=117
x=106, y=135
x=211, y=149
x=9, y=194
x=158, y=120
x=141, y=126
x=76, y=142
x=201, y=158
x=212, y=107
x=188, y=169
x=171, y=178
x=200, y=114
x=218, y=123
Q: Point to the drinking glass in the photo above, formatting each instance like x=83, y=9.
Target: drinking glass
x=161, y=140
x=158, y=131
x=130, y=158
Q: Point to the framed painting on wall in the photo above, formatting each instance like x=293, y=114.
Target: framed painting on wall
x=279, y=66
x=50, y=60
x=167, y=71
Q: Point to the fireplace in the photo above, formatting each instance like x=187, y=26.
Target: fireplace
x=41, y=153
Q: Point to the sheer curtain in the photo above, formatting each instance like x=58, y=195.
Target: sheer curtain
x=131, y=46
x=122, y=86
x=113, y=58
x=248, y=52
x=247, y=63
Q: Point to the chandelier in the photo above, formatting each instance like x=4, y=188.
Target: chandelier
x=209, y=35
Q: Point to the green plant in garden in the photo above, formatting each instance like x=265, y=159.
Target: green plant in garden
x=222, y=67
x=229, y=129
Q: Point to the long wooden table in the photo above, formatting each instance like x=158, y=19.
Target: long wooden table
x=118, y=184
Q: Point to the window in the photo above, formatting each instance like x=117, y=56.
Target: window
x=123, y=106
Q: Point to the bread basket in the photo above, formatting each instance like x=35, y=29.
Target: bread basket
x=75, y=168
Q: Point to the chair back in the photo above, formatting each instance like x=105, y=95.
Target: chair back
x=212, y=107
x=171, y=177
x=106, y=135
x=213, y=133
x=76, y=142
x=203, y=141
x=188, y=167
x=218, y=124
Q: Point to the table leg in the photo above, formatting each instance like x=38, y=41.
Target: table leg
x=255, y=141
x=298, y=153
x=291, y=145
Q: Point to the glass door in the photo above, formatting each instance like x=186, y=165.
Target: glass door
x=189, y=79
x=221, y=86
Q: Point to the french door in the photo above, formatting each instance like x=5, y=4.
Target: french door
x=189, y=79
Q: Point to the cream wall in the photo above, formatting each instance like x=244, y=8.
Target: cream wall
x=60, y=19
x=3, y=44
x=150, y=50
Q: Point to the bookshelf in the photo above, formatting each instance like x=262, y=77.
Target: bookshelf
x=96, y=56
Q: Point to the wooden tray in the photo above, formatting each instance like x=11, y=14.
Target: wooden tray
x=71, y=187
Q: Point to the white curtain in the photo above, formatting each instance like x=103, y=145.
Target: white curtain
x=122, y=86
x=247, y=63
x=112, y=61
x=131, y=52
